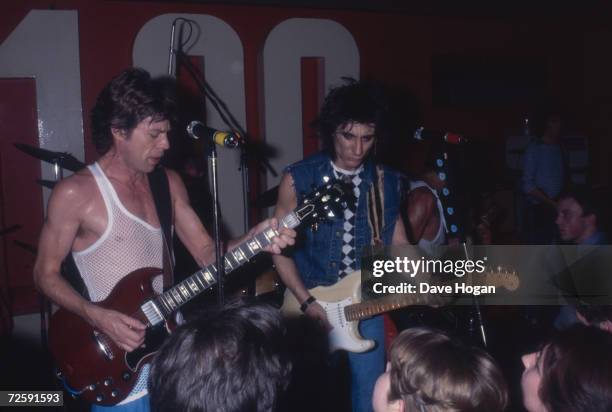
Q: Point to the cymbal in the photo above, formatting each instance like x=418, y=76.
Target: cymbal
x=267, y=198
x=64, y=160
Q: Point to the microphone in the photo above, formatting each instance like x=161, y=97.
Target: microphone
x=451, y=138
x=198, y=130
x=172, y=52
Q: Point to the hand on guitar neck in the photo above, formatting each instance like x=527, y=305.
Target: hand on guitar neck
x=284, y=236
x=127, y=332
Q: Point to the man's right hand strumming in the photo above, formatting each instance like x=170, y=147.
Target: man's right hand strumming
x=128, y=333
x=316, y=312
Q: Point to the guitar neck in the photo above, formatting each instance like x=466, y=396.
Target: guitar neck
x=202, y=280
x=364, y=310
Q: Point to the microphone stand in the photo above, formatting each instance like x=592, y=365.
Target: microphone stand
x=452, y=220
x=212, y=161
x=212, y=157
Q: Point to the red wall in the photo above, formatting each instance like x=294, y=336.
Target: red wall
x=395, y=48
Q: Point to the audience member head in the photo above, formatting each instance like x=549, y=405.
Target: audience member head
x=125, y=101
x=430, y=372
x=578, y=212
x=231, y=359
x=571, y=373
x=548, y=125
x=353, y=109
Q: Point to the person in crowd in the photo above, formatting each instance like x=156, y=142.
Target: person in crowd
x=430, y=372
x=571, y=373
x=232, y=359
x=106, y=215
x=580, y=213
x=351, y=123
x=544, y=176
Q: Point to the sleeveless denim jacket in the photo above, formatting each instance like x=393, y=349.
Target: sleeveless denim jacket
x=318, y=252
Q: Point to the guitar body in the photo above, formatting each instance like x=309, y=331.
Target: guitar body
x=90, y=363
x=345, y=334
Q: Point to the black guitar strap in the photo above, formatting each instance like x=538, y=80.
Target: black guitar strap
x=160, y=189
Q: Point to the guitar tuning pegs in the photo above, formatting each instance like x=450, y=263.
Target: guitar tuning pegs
x=315, y=226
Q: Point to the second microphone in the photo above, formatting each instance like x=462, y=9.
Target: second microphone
x=198, y=130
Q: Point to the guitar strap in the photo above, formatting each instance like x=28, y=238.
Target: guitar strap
x=376, y=207
x=160, y=189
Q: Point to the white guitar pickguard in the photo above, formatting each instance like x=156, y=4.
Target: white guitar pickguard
x=345, y=335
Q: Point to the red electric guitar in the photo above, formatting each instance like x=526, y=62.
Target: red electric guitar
x=92, y=366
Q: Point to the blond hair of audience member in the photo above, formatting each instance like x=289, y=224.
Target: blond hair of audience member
x=430, y=372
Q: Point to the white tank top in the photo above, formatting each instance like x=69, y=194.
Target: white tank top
x=127, y=244
x=440, y=237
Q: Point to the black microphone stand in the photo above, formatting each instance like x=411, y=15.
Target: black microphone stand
x=447, y=197
x=212, y=158
x=231, y=123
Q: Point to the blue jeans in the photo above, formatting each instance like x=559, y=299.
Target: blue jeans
x=367, y=367
x=139, y=405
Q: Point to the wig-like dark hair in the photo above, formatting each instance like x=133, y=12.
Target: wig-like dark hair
x=125, y=101
x=231, y=359
x=355, y=101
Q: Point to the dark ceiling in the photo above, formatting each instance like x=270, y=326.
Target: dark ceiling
x=475, y=8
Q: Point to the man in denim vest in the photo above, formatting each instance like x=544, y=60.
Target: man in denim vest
x=351, y=122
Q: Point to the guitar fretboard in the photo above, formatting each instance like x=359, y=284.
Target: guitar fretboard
x=363, y=310
x=159, y=308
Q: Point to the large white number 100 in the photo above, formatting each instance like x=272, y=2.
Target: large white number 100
x=45, y=46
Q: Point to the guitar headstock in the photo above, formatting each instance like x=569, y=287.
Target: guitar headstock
x=500, y=276
x=325, y=202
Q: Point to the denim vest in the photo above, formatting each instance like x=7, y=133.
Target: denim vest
x=318, y=253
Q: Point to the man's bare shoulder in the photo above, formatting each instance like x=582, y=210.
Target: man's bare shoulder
x=173, y=177
x=422, y=195
x=75, y=189
x=177, y=186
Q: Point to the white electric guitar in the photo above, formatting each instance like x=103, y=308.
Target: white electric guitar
x=342, y=302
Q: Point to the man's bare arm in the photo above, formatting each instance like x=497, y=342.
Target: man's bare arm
x=285, y=266
x=188, y=226
x=399, y=233
x=56, y=239
x=196, y=239
x=420, y=206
